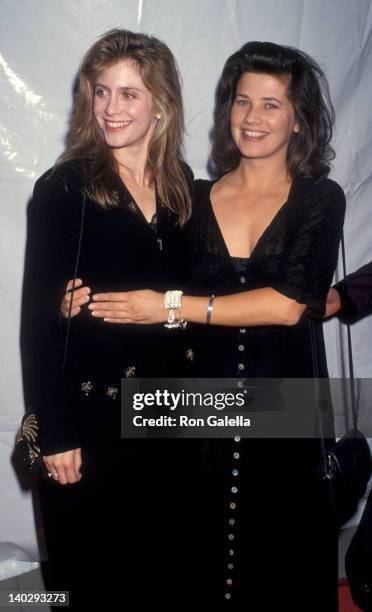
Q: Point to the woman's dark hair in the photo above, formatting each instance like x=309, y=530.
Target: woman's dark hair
x=309, y=150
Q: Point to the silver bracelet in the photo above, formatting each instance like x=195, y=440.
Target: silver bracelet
x=172, y=302
x=210, y=309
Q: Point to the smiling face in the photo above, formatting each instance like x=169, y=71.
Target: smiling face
x=262, y=117
x=124, y=107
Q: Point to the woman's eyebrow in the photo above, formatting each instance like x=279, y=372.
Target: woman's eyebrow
x=124, y=87
x=266, y=98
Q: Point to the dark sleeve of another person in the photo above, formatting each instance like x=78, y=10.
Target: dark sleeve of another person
x=356, y=294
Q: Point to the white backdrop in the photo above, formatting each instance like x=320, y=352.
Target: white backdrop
x=41, y=44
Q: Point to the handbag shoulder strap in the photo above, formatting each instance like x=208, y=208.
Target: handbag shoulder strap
x=355, y=399
x=76, y=268
x=355, y=396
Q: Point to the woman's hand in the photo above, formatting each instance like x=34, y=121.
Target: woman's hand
x=333, y=303
x=79, y=298
x=64, y=467
x=143, y=306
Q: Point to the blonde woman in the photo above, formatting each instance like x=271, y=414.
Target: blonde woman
x=110, y=211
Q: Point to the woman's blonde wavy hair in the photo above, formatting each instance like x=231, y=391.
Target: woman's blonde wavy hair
x=159, y=72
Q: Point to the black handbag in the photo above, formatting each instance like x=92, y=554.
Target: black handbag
x=348, y=473
x=347, y=466
x=27, y=440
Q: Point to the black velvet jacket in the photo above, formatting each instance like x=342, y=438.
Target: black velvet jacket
x=119, y=251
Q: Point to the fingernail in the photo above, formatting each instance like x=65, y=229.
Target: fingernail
x=91, y=306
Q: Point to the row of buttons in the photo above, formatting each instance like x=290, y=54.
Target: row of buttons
x=241, y=348
x=231, y=519
x=235, y=471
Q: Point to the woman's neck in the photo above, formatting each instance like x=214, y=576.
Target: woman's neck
x=260, y=174
x=133, y=168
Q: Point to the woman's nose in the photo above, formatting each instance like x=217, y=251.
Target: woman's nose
x=253, y=115
x=112, y=106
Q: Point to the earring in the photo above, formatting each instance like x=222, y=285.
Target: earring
x=157, y=117
x=296, y=129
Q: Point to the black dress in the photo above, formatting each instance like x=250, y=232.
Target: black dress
x=271, y=541
x=110, y=537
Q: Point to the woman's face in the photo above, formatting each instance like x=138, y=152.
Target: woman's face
x=124, y=107
x=262, y=117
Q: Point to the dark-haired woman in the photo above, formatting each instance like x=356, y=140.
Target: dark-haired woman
x=263, y=239
x=109, y=211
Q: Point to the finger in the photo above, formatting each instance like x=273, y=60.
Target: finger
x=70, y=284
x=78, y=293
x=67, y=298
x=123, y=321
x=77, y=302
x=57, y=468
x=77, y=463
x=65, y=310
x=55, y=474
x=49, y=469
x=71, y=475
x=111, y=314
x=58, y=472
x=114, y=296
x=106, y=306
x=84, y=299
x=62, y=475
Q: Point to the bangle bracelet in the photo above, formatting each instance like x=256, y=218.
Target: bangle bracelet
x=209, y=309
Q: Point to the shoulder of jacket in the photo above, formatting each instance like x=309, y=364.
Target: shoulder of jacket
x=62, y=177
x=58, y=191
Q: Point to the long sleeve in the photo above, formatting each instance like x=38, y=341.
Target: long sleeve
x=356, y=294
x=54, y=215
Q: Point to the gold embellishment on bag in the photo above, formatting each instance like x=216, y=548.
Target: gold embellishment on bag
x=27, y=441
x=86, y=387
x=112, y=392
x=130, y=372
x=190, y=354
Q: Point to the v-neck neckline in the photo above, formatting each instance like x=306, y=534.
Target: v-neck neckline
x=264, y=233
x=137, y=208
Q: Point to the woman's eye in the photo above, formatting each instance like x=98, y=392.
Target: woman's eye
x=241, y=102
x=100, y=92
x=128, y=95
x=270, y=105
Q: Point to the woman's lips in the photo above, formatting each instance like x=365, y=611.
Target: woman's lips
x=253, y=135
x=116, y=126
